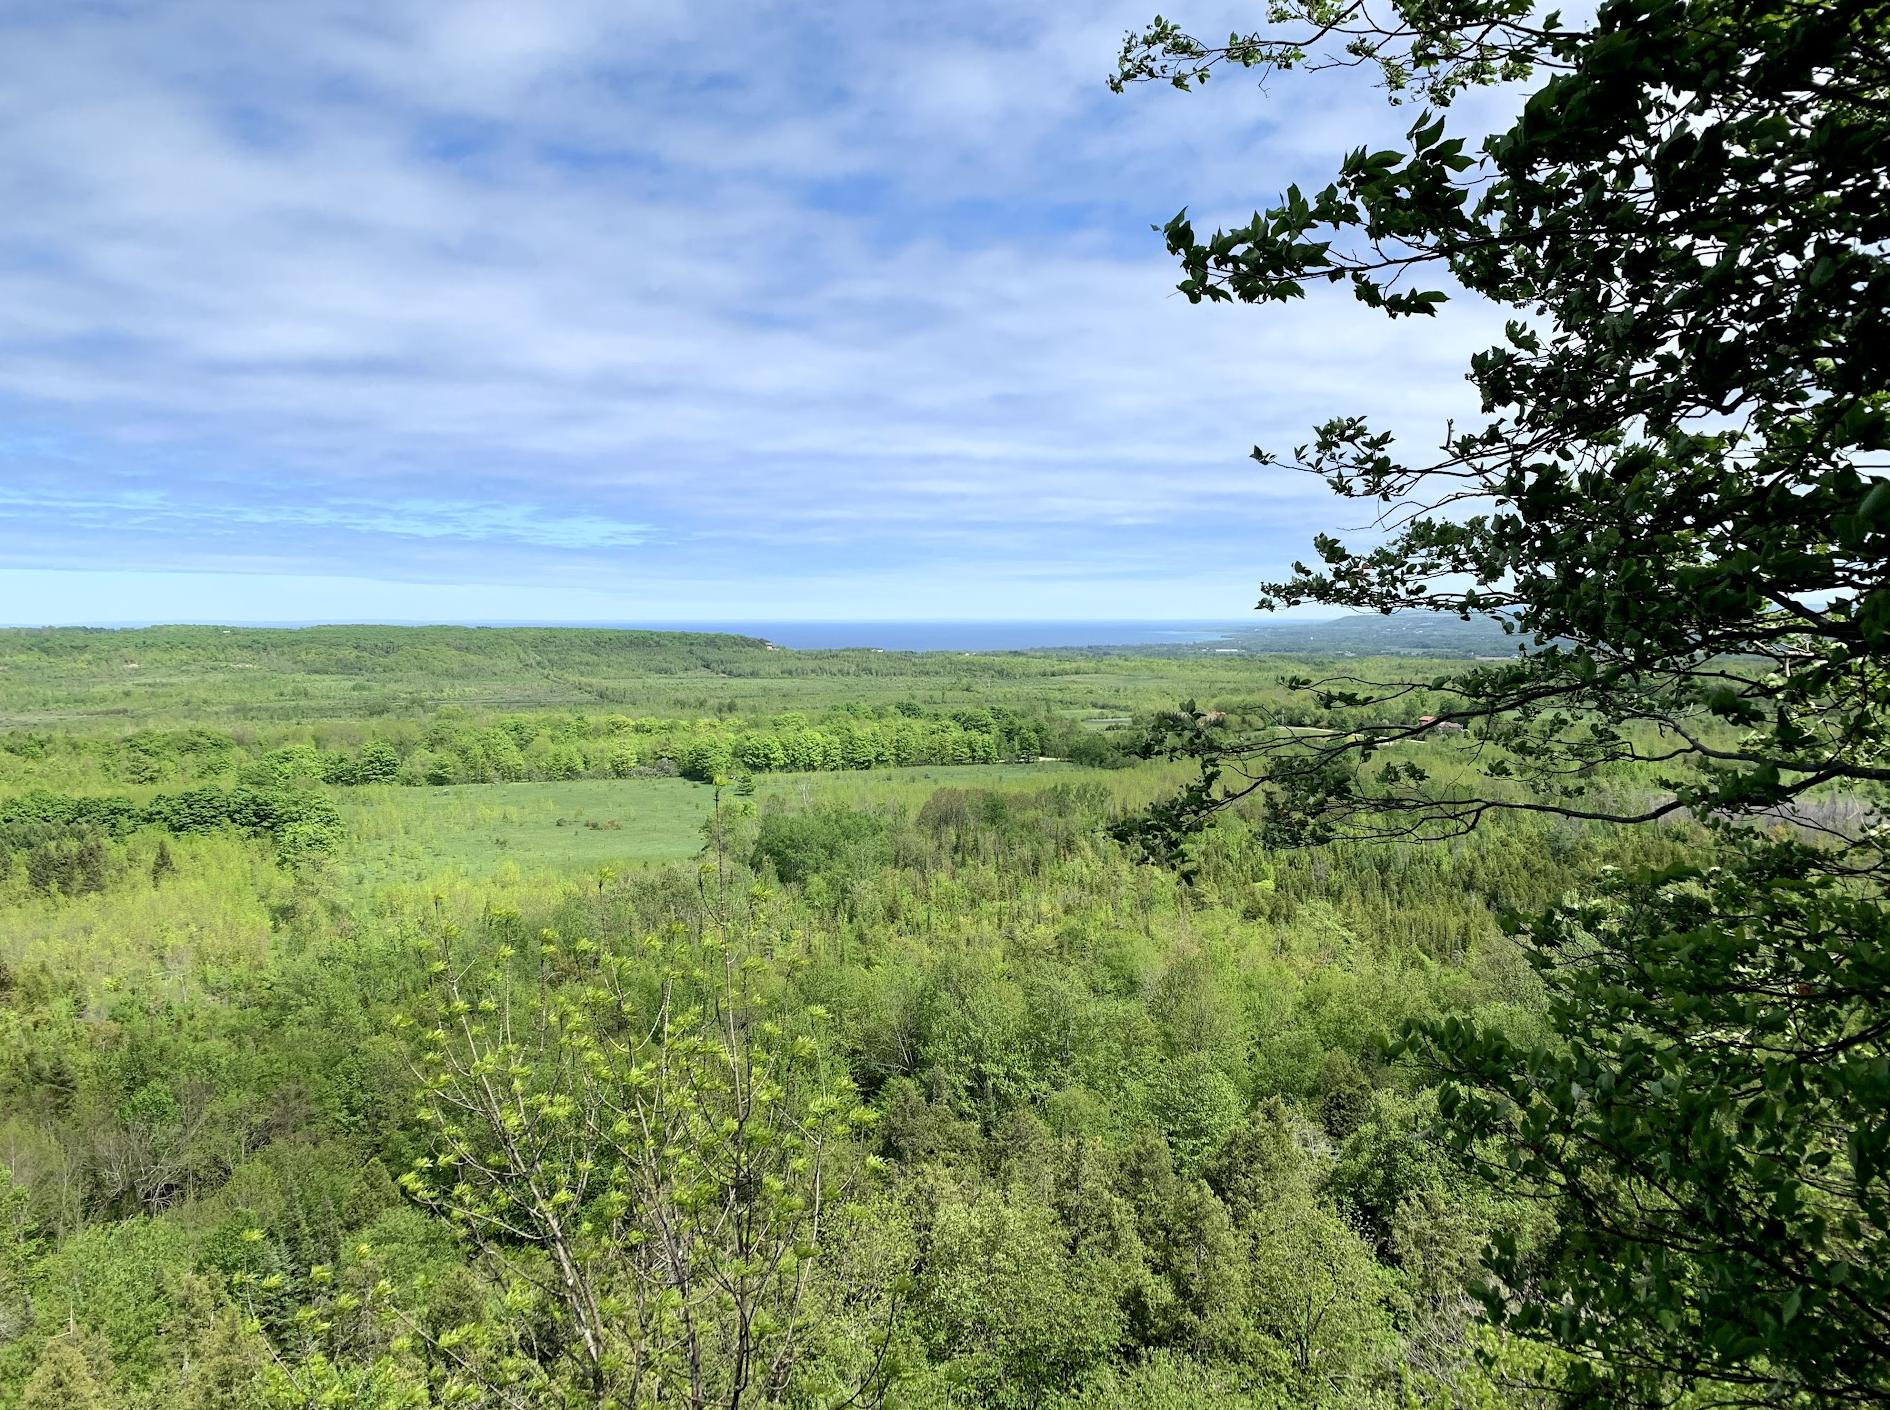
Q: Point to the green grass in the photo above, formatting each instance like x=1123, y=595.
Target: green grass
x=406, y=836
x=411, y=834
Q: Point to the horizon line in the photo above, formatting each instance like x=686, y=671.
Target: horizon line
x=676, y=625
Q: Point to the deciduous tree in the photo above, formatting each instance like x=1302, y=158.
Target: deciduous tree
x=1675, y=499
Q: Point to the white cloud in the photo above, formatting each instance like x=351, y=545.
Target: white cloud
x=715, y=275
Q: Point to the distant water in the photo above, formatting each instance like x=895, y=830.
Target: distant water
x=957, y=636
x=882, y=636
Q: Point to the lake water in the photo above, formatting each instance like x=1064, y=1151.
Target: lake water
x=958, y=636
x=891, y=636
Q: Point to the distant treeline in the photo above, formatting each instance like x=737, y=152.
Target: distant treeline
x=452, y=748
x=582, y=656
x=445, y=653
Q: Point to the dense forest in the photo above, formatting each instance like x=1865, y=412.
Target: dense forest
x=923, y=1096
x=920, y=1089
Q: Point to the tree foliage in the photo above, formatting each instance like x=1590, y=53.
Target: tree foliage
x=62, y=1380
x=1675, y=501
x=664, y=1166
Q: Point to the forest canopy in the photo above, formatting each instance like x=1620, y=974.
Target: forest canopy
x=901, y=1085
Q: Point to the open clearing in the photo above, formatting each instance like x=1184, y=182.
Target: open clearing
x=407, y=835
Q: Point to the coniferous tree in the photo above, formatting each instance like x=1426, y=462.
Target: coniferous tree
x=62, y=1379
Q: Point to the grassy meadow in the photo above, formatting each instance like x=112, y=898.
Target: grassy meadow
x=401, y=836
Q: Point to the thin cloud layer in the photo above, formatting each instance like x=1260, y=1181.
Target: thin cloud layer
x=675, y=311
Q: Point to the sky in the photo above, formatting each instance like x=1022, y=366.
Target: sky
x=603, y=310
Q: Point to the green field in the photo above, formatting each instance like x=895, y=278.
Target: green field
x=411, y=834
x=400, y=836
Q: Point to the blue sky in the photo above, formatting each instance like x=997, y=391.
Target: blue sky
x=600, y=310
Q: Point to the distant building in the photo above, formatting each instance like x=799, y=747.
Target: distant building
x=1431, y=722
